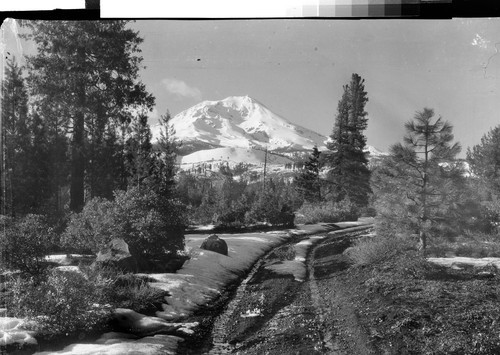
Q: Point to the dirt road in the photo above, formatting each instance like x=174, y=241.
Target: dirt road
x=276, y=314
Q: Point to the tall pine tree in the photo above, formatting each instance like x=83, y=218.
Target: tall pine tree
x=16, y=141
x=139, y=150
x=164, y=164
x=349, y=175
x=87, y=72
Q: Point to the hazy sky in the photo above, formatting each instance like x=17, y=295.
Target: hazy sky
x=297, y=69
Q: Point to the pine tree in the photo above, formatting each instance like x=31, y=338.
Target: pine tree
x=87, y=72
x=484, y=160
x=138, y=151
x=164, y=164
x=16, y=140
x=349, y=174
x=41, y=192
x=421, y=181
x=308, y=181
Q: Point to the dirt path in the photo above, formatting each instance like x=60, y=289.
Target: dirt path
x=275, y=314
x=342, y=332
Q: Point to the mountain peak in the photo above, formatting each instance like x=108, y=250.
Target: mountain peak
x=239, y=122
x=240, y=101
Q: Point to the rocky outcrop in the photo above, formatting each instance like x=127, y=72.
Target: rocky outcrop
x=215, y=244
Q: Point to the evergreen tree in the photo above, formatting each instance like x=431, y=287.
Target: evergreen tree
x=349, y=174
x=15, y=139
x=45, y=155
x=420, y=183
x=164, y=165
x=87, y=72
x=308, y=181
x=484, y=160
x=138, y=151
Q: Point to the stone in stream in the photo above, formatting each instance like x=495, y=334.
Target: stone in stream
x=215, y=244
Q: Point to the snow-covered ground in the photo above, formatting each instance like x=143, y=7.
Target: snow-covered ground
x=200, y=281
x=230, y=156
x=12, y=332
x=297, y=267
x=459, y=262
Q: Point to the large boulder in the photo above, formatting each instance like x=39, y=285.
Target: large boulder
x=117, y=254
x=215, y=244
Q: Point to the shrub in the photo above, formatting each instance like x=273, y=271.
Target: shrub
x=327, y=212
x=61, y=303
x=129, y=291
x=270, y=208
x=90, y=229
x=371, y=249
x=66, y=302
x=25, y=244
x=149, y=224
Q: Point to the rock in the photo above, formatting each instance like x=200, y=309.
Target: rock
x=117, y=254
x=215, y=244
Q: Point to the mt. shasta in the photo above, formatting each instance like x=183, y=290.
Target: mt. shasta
x=238, y=129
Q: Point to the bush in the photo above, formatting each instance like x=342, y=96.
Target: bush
x=270, y=209
x=62, y=303
x=371, y=249
x=129, y=291
x=25, y=244
x=149, y=224
x=327, y=212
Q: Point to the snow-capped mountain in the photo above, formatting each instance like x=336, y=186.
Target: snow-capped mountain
x=239, y=122
x=240, y=129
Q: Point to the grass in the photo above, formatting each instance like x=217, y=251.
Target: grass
x=410, y=306
x=372, y=249
x=134, y=293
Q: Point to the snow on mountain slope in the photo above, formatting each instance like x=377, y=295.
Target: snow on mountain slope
x=240, y=129
x=374, y=152
x=240, y=122
x=231, y=156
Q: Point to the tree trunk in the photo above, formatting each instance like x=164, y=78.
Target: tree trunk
x=423, y=241
x=77, y=189
x=77, y=192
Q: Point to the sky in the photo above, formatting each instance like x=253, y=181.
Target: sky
x=297, y=68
